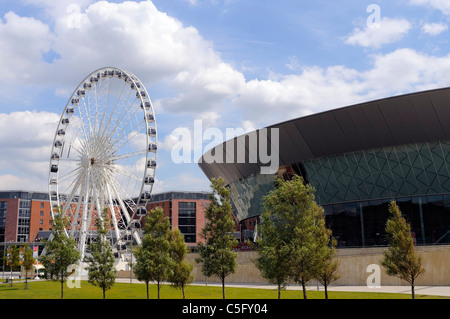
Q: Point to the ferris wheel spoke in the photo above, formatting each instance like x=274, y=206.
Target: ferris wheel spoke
x=127, y=155
x=127, y=139
x=104, y=114
x=117, y=170
x=108, y=127
x=76, y=184
x=69, y=174
x=121, y=134
x=76, y=215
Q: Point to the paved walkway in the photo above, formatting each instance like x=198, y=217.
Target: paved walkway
x=423, y=290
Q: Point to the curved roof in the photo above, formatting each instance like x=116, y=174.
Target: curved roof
x=406, y=119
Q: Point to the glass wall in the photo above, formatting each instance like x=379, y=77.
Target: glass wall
x=389, y=172
x=362, y=224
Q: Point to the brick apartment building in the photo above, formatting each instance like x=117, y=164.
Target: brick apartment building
x=25, y=215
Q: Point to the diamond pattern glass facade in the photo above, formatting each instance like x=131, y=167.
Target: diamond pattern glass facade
x=390, y=172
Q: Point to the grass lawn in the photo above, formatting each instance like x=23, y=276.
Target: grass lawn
x=51, y=290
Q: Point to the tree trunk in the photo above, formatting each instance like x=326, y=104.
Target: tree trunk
x=103, y=293
x=304, y=289
x=279, y=291
x=326, y=292
x=412, y=289
x=62, y=289
x=146, y=283
x=158, y=288
x=182, y=288
x=223, y=287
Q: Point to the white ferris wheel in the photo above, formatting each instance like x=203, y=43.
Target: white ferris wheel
x=104, y=157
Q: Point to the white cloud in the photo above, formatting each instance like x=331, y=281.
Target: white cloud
x=434, y=28
x=318, y=89
x=389, y=31
x=25, y=140
x=442, y=5
x=23, y=40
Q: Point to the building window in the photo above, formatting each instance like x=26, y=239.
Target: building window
x=187, y=221
x=41, y=213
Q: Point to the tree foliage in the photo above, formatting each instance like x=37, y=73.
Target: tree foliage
x=61, y=252
x=13, y=259
x=294, y=244
x=153, y=259
x=400, y=259
x=101, y=269
x=181, y=274
x=216, y=254
x=27, y=261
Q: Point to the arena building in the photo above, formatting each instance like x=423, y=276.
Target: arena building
x=358, y=158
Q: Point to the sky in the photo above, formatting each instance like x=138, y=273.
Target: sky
x=229, y=63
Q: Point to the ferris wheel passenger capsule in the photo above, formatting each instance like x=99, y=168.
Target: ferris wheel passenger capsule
x=151, y=131
x=61, y=132
x=146, y=195
x=58, y=144
x=146, y=104
x=149, y=180
x=141, y=93
x=70, y=110
x=152, y=147
x=151, y=164
x=135, y=86
x=54, y=168
x=141, y=211
x=150, y=117
x=65, y=121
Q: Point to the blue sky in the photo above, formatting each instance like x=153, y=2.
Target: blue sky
x=230, y=63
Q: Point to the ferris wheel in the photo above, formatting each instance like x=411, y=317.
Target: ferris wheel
x=104, y=157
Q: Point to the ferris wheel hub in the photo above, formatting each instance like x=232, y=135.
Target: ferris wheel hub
x=85, y=161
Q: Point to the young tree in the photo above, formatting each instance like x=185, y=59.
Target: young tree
x=13, y=259
x=327, y=268
x=181, y=274
x=27, y=262
x=217, y=255
x=307, y=246
x=400, y=258
x=295, y=232
x=153, y=262
x=273, y=261
x=101, y=270
x=61, y=252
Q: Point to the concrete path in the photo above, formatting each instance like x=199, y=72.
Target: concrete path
x=422, y=290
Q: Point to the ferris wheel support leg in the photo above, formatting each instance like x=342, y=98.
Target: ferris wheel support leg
x=113, y=213
x=84, y=218
x=77, y=209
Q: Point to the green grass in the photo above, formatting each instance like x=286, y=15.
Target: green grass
x=51, y=290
